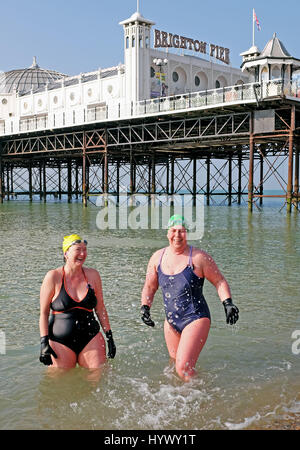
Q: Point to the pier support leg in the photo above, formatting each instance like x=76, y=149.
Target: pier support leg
x=69, y=180
x=251, y=170
x=149, y=181
x=84, y=193
x=153, y=181
x=229, y=180
x=289, y=198
x=105, y=186
x=7, y=182
x=76, y=180
x=168, y=177
x=296, y=179
x=194, y=180
x=44, y=182
x=59, y=180
x=261, y=181
x=208, y=180
x=118, y=182
x=172, y=180
x=132, y=173
x=239, y=177
x=41, y=179
x=11, y=179
x=30, y=180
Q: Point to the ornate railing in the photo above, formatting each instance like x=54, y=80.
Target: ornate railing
x=242, y=93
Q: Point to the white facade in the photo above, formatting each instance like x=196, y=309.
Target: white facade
x=178, y=74
x=115, y=92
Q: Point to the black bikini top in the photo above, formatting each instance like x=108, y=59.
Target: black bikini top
x=64, y=302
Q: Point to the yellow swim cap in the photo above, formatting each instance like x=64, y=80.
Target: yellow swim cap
x=69, y=240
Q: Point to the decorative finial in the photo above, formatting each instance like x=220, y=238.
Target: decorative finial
x=34, y=63
x=138, y=6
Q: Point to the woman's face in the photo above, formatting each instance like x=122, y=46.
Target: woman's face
x=76, y=254
x=177, y=236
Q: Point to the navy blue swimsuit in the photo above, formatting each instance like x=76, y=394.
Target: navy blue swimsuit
x=183, y=298
x=73, y=323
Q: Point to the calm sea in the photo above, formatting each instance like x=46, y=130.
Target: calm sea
x=248, y=374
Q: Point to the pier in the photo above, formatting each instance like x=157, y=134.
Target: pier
x=224, y=142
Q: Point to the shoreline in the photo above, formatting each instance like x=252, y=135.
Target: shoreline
x=291, y=423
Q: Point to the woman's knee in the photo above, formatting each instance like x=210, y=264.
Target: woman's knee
x=185, y=369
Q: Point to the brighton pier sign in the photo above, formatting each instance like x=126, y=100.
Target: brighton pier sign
x=167, y=40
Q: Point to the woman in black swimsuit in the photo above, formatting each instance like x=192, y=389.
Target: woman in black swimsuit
x=74, y=294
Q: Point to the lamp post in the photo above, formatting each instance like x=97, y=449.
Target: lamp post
x=160, y=63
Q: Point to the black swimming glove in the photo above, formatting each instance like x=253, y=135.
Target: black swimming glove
x=146, y=318
x=46, y=351
x=231, y=311
x=111, y=345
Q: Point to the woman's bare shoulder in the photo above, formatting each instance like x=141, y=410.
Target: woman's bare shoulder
x=54, y=274
x=201, y=256
x=91, y=273
x=155, y=258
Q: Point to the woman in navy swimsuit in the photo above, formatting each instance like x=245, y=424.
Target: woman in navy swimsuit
x=73, y=294
x=180, y=271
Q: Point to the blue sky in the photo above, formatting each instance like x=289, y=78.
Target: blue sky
x=75, y=36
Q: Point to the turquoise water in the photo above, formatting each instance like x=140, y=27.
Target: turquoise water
x=248, y=374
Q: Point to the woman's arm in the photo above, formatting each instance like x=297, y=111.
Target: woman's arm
x=149, y=289
x=151, y=282
x=100, y=307
x=46, y=294
x=211, y=272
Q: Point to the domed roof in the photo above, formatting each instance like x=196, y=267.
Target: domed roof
x=24, y=80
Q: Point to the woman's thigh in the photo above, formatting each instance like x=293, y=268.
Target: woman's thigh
x=94, y=353
x=66, y=358
x=192, y=340
x=172, y=338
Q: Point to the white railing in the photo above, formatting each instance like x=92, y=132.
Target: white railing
x=33, y=123
x=246, y=93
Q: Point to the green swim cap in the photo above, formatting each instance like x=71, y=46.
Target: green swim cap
x=177, y=220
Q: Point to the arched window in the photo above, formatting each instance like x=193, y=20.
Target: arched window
x=179, y=78
x=201, y=81
x=265, y=74
x=276, y=72
x=221, y=82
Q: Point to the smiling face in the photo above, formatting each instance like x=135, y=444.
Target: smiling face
x=76, y=254
x=177, y=237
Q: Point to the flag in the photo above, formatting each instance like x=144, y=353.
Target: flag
x=255, y=19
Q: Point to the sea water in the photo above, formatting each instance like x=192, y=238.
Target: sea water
x=247, y=374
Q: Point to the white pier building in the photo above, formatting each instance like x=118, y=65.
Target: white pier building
x=162, y=71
